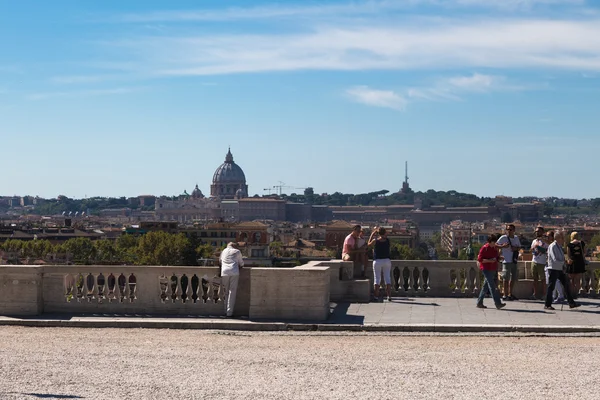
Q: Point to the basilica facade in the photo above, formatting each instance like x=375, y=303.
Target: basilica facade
x=228, y=184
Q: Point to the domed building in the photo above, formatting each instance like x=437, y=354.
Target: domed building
x=229, y=181
x=197, y=193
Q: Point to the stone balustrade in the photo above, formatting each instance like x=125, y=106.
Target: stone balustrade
x=299, y=293
x=455, y=278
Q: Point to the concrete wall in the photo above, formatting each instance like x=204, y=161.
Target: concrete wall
x=20, y=290
x=343, y=286
x=300, y=293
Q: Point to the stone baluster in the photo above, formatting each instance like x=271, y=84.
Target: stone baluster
x=408, y=281
x=101, y=287
x=417, y=281
x=69, y=287
x=132, y=287
x=205, y=289
x=216, y=289
x=174, y=286
x=457, y=282
x=594, y=290
x=396, y=279
x=163, y=286
x=184, y=283
x=477, y=283
x=425, y=277
x=195, y=287
x=90, y=287
x=79, y=284
x=122, y=285
x=472, y=275
x=112, y=288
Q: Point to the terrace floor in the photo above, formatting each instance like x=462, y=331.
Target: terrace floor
x=402, y=314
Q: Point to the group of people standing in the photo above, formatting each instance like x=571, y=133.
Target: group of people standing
x=549, y=262
x=355, y=249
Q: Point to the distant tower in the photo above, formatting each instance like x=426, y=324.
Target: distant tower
x=405, y=186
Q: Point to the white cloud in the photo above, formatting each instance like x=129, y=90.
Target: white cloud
x=81, y=93
x=493, y=43
x=377, y=98
x=475, y=82
x=447, y=89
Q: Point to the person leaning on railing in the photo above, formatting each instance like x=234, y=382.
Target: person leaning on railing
x=231, y=261
x=381, y=262
x=556, y=265
x=575, y=262
x=488, y=264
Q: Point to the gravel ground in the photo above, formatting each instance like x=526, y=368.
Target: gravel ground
x=59, y=363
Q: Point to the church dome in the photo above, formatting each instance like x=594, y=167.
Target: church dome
x=229, y=172
x=228, y=180
x=197, y=193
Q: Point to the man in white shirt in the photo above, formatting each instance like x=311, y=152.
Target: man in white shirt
x=231, y=262
x=556, y=265
x=510, y=245
x=539, y=249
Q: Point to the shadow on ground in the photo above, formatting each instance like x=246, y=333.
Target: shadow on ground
x=50, y=396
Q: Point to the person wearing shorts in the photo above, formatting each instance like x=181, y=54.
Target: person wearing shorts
x=510, y=245
x=539, y=249
x=381, y=262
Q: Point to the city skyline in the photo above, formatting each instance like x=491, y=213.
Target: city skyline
x=483, y=97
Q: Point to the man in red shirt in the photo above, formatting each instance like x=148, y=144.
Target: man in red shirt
x=488, y=263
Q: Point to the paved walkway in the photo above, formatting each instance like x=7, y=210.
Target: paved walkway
x=453, y=313
x=401, y=314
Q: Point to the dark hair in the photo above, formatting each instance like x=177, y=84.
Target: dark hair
x=510, y=226
x=382, y=231
x=356, y=228
x=492, y=238
x=550, y=234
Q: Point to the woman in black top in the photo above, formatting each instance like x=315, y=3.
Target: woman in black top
x=575, y=261
x=381, y=262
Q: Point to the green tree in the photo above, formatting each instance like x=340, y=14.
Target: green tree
x=276, y=249
x=106, y=252
x=13, y=245
x=205, y=251
x=462, y=253
x=127, y=249
x=82, y=249
x=401, y=252
x=161, y=248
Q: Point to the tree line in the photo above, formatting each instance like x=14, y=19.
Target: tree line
x=153, y=248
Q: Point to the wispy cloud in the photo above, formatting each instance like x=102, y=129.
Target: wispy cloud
x=447, y=89
x=82, y=93
x=475, y=82
x=377, y=98
x=362, y=8
x=505, y=43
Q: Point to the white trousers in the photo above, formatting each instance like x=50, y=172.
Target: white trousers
x=230, y=284
x=382, y=265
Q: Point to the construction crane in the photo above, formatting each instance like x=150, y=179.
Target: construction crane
x=279, y=188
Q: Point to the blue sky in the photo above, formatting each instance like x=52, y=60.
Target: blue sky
x=120, y=98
